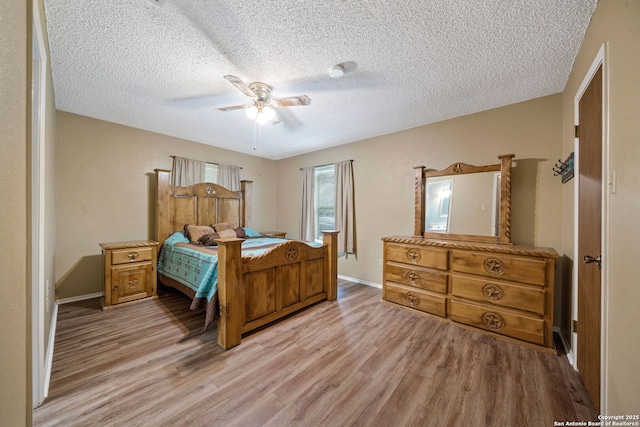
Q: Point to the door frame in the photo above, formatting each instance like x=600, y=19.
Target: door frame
x=608, y=186
x=40, y=374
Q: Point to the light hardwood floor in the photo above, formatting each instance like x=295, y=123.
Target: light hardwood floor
x=351, y=362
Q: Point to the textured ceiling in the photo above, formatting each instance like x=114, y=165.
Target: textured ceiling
x=159, y=66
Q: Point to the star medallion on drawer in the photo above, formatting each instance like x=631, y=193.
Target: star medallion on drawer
x=412, y=299
x=493, y=320
x=492, y=292
x=494, y=266
x=413, y=276
x=413, y=255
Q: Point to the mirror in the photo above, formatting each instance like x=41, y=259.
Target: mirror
x=465, y=202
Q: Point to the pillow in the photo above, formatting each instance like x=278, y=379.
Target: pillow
x=195, y=232
x=235, y=232
x=209, y=239
x=250, y=232
x=221, y=226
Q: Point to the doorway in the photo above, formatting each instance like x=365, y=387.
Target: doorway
x=590, y=210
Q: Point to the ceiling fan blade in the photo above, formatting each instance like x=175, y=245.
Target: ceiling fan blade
x=234, y=107
x=241, y=86
x=292, y=101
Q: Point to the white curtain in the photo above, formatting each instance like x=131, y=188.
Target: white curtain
x=308, y=223
x=187, y=172
x=229, y=177
x=345, y=215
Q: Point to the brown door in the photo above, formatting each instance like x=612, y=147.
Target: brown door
x=589, y=235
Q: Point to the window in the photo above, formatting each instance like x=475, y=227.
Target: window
x=325, y=199
x=211, y=173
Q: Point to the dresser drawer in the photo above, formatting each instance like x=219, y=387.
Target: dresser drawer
x=416, y=276
x=517, y=269
x=417, y=299
x=418, y=255
x=493, y=319
x=127, y=256
x=521, y=297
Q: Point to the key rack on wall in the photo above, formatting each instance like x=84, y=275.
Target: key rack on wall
x=564, y=169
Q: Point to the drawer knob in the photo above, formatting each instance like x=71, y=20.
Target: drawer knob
x=493, y=266
x=492, y=292
x=413, y=277
x=412, y=299
x=133, y=256
x=493, y=320
x=413, y=255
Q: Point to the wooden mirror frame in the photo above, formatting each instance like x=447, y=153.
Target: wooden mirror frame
x=504, y=232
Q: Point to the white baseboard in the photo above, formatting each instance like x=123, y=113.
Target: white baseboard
x=360, y=281
x=79, y=298
x=48, y=363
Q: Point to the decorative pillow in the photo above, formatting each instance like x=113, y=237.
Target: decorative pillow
x=235, y=232
x=209, y=239
x=195, y=232
x=221, y=226
x=250, y=232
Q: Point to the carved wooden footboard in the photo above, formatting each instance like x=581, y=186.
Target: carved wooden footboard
x=253, y=292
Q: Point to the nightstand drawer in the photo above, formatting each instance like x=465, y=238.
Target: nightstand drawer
x=418, y=255
x=417, y=299
x=521, y=297
x=127, y=256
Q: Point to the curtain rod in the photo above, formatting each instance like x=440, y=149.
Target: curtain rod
x=213, y=163
x=329, y=164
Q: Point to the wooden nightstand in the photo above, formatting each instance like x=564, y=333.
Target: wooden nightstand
x=277, y=234
x=129, y=272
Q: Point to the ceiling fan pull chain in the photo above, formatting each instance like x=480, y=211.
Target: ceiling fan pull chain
x=254, y=135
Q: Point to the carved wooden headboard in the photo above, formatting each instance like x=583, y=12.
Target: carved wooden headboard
x=200, y=204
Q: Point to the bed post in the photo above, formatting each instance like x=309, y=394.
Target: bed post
x=229, y=293
x=245, y=214
x=162, y=205
x=330, y=238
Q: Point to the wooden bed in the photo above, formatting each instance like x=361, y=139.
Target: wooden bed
x=251, y=291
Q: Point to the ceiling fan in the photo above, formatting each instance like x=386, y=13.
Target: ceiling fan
x=260, y=110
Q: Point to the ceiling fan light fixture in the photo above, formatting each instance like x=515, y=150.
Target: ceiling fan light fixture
x=265, y=115
x=252, y=112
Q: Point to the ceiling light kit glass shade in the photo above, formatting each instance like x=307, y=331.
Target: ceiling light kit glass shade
x=260, y=114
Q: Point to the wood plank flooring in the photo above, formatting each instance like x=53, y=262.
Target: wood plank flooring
x=351, y=362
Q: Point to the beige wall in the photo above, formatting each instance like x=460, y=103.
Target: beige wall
x=15, y=409
x=615, y=23
x=384, y=176
x=105, y=191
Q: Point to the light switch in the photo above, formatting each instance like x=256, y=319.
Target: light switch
x=613, y=187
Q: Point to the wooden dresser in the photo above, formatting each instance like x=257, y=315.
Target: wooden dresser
x=129, y=272
x=493, y=288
